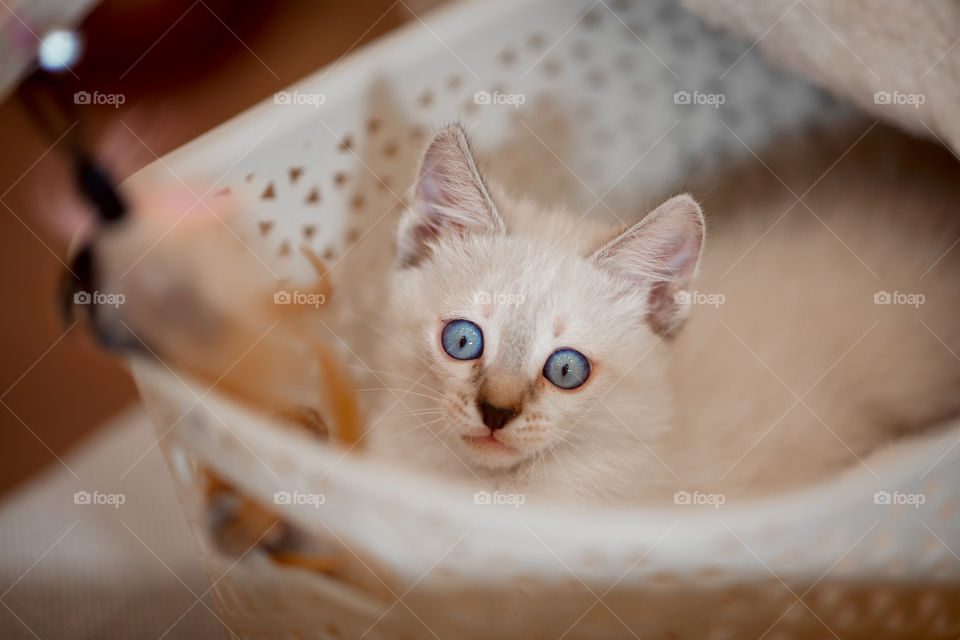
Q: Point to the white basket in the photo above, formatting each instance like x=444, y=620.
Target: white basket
x=600, y=111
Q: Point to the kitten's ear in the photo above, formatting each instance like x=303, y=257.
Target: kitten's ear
x=450, y=199
x=660, y=254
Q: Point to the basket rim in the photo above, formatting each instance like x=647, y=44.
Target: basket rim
x=846, y=497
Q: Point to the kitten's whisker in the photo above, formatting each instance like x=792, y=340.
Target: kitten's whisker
x=403, y=392
x=392, y=340
x=415, y=428
x=378, y=374
x=395, y=375
x=393, y=392
x=555, y=456
x=433, y=440
x=530, y=468
x=413, y=414
x=543, y=459
x=571, y=443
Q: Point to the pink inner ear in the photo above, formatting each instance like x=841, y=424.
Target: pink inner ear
x=660, y=307
x=682, y=252
x=678, y=259
x=664, y=246
x=428, y=191
x=450, y=197
x=659, y=255
x=437, y=193
x=672, y=236
x=450, y=191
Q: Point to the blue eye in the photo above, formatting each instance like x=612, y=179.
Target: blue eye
x=462, y=340
x=567, y=369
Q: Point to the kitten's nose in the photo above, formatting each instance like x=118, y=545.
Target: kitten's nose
x=495, y=417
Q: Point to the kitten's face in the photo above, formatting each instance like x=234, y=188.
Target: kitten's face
x=523, y=344
x=536, y=334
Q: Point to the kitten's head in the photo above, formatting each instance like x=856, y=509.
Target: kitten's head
x=537, y=330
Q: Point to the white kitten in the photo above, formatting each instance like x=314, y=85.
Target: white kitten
x=530, y=340
x=539, y=352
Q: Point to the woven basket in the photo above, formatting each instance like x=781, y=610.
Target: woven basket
x=598, y=100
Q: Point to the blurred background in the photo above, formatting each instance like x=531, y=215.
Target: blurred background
x=182, y=66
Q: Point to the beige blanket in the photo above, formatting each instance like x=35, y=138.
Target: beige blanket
x=897, y=59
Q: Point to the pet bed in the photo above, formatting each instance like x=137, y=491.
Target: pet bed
x=608, y=104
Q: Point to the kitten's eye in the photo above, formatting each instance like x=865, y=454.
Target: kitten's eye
x=462, y=340
x=566, y=368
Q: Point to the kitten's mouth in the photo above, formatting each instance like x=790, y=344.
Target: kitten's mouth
x=489, y=444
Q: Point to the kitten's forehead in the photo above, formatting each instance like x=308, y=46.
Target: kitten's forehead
x=534, y=298
x=534, y=294
x=517, y=326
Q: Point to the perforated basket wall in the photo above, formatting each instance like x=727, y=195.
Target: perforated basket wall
x=592, y=101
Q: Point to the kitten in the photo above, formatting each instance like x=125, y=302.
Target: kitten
x=552, y=313
x=544, y=353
